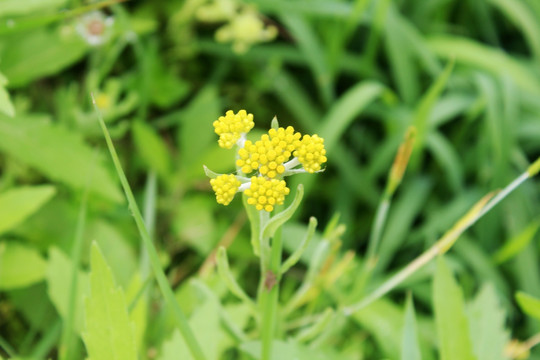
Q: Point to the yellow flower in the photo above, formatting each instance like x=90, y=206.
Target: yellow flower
x=225, y=187
x=265, y=193
x=231, y=127
x=268, y=154
x=311, y=153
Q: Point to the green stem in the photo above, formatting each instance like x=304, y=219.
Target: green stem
x=270, y=295
x=149, y=218
x=67, y=350
x=168, y=294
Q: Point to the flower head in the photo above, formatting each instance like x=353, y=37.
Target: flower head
x=265, y=193
x=311, y=153
x=94, y=27
x=279, y=153
x=225, y=186
x=231, y=127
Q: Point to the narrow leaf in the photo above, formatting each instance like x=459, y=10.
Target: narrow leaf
x=109, y=332
x=295, y=256
x=279, y=219
x=410, y=350
x=452, y=326
x=529, y=304
x=517, y=243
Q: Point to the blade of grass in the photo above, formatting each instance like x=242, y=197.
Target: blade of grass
x=179, y=316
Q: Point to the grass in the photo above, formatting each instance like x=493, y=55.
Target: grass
x=373, y=280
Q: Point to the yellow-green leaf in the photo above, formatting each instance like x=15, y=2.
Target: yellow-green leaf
x=109, y=332
x=19, y=203
x=450, y=319
x=20, y=265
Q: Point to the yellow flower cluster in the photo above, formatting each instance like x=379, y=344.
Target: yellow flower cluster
x=265, y=193
x=279, y=153
x=225, y=187
x=268, y=154
x=231, y=127
x=311, y=153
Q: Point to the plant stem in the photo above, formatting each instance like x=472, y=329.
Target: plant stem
x=269, y=297
x=168, y=294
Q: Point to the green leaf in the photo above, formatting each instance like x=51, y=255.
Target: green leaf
x=19, y=203
x=517, y=243
x=59, y=273
x=287, y=350
x=254, y=224
x=151, y=148
x=452, y=326
x=346, y=109
x=57, y=153
x=20, y=265
x=297, y=254
x=6, y=106
x=425, y=106
x=40, y=53
x=410, y=350
x=205, y=323
x=109, y=333
x=529, y=304
x=474, y=54
x=486, y=321
x=28, y=7
x=279, y=219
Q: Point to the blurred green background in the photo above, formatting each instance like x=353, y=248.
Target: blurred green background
x=358, y=73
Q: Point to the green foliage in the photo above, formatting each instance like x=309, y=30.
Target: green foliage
x=20, y=265
x=109, y=332
x=452, y=325
x=19, y=203
x=205, y=281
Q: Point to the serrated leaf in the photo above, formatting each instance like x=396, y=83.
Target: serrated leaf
x=19, y=203
x=410, y=349
x=452, y=326
x=151, y=148
x=20, y=265
x=58, y=275
x=57, y=153
x=529, y=304
x=486, y=322
x=109, y=333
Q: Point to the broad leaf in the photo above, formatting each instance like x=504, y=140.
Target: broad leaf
x=452, y=326
x=109, y=332
x=57, y=153
x=151, y=148
x=20, y=265
x=17, y=204
x=6, y=106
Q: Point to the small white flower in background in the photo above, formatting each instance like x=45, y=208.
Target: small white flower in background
x=95, y=27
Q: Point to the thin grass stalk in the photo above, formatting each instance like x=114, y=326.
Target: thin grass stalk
x=178, y=315
x=445, y=242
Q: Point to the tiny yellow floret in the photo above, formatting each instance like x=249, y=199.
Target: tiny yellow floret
x=268, y=154
x=225, y=187
x=311, y=153
x=231, y=127
x=265, y=193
